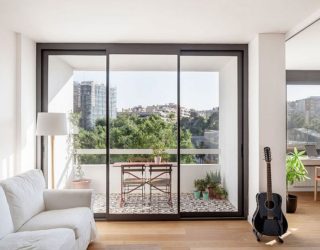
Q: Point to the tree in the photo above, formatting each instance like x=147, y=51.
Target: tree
x=295, y=120
x=93, y=139
x=134, y=132
x=101, y=122
x=213, y=121
x=131, y=131
x=315, y=124
x=196, y=124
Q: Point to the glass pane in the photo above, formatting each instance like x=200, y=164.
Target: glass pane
x=77, y=86
x=303, y=112
x=209, y=134
x=143, y=134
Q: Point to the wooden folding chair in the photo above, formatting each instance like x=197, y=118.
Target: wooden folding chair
x=132, y=179
x=160, y=179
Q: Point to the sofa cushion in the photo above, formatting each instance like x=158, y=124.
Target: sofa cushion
x=54, y=239
x=24, y=194
x=6, y=224
x=80, y=220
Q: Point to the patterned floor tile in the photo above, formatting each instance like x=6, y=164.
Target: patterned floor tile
x=159, y=204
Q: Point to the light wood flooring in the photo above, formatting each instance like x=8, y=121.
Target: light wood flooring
x=303, y=233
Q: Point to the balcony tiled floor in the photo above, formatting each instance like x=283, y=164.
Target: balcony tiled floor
x=159, y=204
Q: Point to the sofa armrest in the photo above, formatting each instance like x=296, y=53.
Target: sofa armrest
x=68, y=198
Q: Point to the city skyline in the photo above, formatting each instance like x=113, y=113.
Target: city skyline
x=134, y=88
x=113, y=102
x=89, y=99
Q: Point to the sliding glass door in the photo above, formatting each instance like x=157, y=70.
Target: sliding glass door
x=143, y=135
x=209, y=117
x=77, y=87
x=156, y=135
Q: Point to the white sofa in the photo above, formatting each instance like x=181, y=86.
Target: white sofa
x=34, y=218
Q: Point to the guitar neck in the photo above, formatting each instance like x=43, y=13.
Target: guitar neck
x=269, y=182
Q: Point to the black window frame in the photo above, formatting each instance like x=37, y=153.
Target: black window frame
x=44, y=50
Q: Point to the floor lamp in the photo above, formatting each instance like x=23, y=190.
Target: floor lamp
x=52, y=124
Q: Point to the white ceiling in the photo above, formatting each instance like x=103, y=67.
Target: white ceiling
x=147, y=62
x=303, y=50
x=150, y=21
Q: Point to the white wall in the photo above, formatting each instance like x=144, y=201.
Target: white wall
x=253, y=106
x=60, y=93
x=26, y=103
x=228, y=128
x=7, y=103
x=17, y=103
x=267, y=114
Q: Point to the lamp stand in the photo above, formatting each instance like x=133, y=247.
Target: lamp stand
x=52, y=161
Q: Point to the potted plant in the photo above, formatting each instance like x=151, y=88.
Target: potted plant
x=158, y=152
x=200, y=185
x=213, y=179
x=295, y=172
x=79, y=182
x=205, y=195
x=221, y=193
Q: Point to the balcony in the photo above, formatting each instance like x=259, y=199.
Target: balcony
x=158, y=205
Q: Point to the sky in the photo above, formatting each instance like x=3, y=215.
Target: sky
x=297, y=92
x=199, y=90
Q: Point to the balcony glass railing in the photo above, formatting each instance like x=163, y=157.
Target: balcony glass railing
x=200, y=156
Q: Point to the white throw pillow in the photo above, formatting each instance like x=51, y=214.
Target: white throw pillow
x=6, y=224
x=24, y=194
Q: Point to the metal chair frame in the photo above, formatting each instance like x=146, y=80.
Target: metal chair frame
x=126, y=187
x=162, y=170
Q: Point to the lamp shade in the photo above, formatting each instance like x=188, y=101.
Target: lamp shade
x=52, y=124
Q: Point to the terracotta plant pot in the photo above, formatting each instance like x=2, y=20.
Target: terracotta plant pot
x=157, y=159
x=212, y=193
x=218, y=196
x=81, y=184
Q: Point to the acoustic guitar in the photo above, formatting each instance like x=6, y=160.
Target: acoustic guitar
x=268, y=218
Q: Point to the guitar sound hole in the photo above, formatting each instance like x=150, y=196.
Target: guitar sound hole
x=269, y=204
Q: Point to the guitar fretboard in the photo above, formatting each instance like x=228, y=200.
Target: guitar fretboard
x=269, y=182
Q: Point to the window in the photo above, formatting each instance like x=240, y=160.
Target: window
x=303, y=112
x=156, y=130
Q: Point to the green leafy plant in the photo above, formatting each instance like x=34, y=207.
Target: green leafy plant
x=200, y=184
x=221, y=192
x=73, y=141
x=213, y=178
x=159, y=149
x=295, y=170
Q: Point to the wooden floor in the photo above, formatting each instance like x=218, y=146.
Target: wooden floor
x=303, y=233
